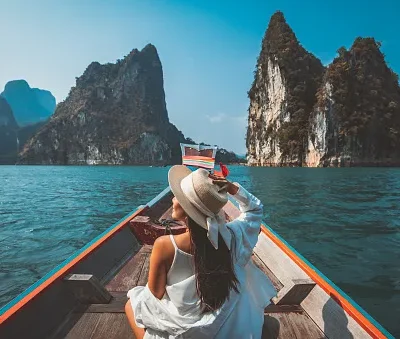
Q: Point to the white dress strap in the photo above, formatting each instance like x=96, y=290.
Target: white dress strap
x=173, y=241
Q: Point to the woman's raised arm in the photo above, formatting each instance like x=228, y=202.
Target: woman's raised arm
x=246, y=227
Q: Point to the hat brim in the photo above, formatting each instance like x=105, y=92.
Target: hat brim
x=175, y=176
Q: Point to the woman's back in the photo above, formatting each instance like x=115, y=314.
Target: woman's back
x=179, y=313
x=182, y=265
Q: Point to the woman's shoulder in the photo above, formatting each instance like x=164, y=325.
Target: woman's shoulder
x=163, y=249
x=163, y=243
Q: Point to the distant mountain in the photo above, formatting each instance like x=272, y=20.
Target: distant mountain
x=223, y=155
x=29, y=105
x=228, y=157
x=116, y=114
x=13, y=137
x=6, y=115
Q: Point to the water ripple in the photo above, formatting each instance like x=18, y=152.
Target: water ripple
x=345, y=221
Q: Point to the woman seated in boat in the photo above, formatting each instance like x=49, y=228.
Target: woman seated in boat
x=203, y=283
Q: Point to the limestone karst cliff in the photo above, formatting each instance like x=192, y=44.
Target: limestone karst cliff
x=116, y=114
x=281, y=98
x=356, y=121
x=302, y=114
x=8, y=133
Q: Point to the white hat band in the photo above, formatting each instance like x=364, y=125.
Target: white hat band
x=215, y=222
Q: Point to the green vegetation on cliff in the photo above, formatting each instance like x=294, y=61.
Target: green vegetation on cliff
x=302, y=73
x=306, y=115
x=366, y=102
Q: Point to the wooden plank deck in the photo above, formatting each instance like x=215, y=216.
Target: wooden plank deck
x=109, y=320
x=290, y=325
x=129, y=276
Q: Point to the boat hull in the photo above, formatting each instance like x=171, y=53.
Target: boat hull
x=119, y=261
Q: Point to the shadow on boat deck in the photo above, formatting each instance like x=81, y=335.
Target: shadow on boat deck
x=331, y=329
x=271, y=328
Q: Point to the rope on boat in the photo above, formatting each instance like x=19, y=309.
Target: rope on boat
x=167, y=223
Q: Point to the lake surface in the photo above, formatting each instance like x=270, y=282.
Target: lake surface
x=345, y=221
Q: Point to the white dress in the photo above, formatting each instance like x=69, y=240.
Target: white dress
x=178, y=314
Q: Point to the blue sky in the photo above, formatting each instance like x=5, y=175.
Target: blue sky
x=208, y=49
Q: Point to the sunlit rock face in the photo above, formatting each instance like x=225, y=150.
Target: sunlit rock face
x=281, y=98
x=302, y=114
x=356, y=120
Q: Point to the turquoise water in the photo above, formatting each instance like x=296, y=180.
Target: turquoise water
x=344, y=221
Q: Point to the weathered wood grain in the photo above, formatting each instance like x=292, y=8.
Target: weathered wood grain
x=129, y=275
x=331, y=317
x=260, y=264
x=295, y=293
x=271, y=328
x=85, y=326
x=116, y=305
x=290, y=326
x=271, y=308
x=321, y=308
x=144, y=274
x=101, y=326
x=112, y=325
x=87, y=289
x=147, y=249
x=277, y=261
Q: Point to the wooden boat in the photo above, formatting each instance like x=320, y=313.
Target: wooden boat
x=84, y=296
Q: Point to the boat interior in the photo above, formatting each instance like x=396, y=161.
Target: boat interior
x=85, y=297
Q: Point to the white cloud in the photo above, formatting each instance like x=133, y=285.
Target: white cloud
x=219, y=128
x=215, y=119
x=223, y=130
x=223, y=118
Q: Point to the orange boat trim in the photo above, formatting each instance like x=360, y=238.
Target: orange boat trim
x=65, y=268
x=350, y=309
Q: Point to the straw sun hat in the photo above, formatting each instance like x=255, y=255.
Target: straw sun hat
x=202, y=200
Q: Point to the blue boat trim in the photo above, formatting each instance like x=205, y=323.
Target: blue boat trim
x=151, y=203
x=343, y=294
x=159, y=196
x=60, y=266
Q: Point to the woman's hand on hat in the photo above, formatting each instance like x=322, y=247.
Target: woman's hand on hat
x=224, y=184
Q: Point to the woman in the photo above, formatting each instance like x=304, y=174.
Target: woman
x=203, y=283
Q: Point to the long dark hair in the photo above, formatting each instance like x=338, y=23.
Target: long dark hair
x=215, y=274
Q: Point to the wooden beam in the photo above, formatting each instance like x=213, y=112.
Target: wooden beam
x=271, y=308
x=294, y=294
x=87, y=289
x=116, y=305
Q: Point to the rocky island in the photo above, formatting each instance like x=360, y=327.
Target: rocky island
x=303, y=114
x=116, y=114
